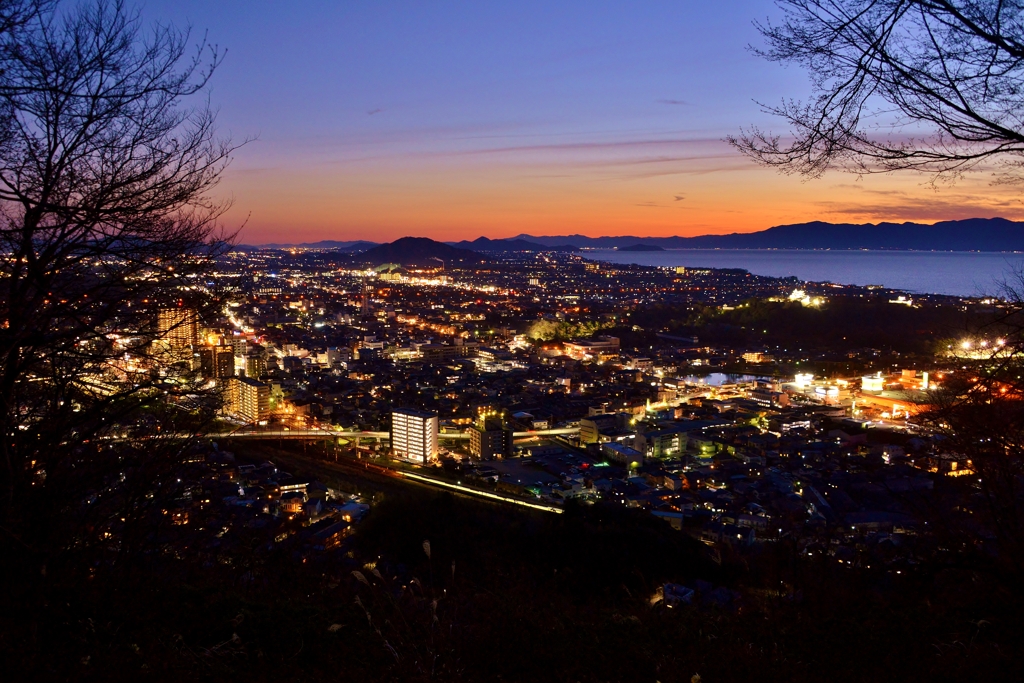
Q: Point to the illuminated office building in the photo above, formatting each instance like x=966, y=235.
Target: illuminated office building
x=414, y=434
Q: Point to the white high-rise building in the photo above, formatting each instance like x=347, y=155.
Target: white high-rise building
x=414, y=434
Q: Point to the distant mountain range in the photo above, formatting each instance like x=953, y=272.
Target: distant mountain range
x=487, y=244
x=972, y=234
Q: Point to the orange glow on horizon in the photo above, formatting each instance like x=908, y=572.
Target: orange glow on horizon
x=448, y=199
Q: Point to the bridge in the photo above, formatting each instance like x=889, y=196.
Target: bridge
x=305, y=433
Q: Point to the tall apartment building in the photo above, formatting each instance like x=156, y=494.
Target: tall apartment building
x=490, y=438
x=255, y=366
x=217, y=362
x=414, y=434
x=369, y=289
x=179, y=327
x=246, y=398
x=240, y=348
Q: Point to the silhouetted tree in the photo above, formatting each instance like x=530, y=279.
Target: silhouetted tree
x=104, y=220
x=930, y=85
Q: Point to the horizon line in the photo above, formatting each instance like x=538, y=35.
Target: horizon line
x=525, y=235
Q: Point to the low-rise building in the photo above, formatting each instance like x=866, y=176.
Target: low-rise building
x=592, y=348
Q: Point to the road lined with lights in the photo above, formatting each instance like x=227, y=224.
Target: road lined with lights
x=362, y=467
x=394, y=472
x=405, y=474
x=332, y=434
x=477, y=492
x=329, y=433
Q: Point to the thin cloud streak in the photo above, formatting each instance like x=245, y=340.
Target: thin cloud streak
x=926, y=209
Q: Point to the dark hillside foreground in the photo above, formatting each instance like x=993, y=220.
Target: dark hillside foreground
x=438, y=588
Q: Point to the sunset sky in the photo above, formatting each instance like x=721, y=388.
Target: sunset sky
x=452, y=120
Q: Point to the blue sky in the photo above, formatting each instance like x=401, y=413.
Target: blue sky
x=455, y=119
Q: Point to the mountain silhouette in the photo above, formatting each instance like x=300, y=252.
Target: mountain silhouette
x=419, y=251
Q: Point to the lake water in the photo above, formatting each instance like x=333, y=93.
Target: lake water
x=935, y=272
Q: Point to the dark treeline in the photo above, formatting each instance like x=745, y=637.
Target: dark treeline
x=498, y=594
x=843, y=323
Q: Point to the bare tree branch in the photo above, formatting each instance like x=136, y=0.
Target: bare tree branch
x=108, y=153
x=930, y=85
